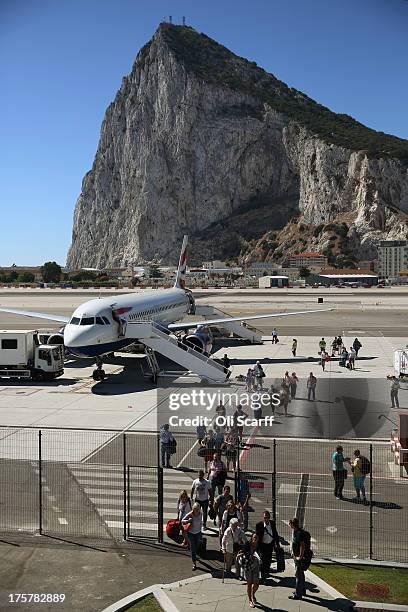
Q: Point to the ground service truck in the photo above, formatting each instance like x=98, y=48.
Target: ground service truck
x=22, y=356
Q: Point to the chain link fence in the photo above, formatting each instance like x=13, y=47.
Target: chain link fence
x=109, y=484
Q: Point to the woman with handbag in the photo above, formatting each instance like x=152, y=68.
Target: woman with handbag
x=192, y=525
x=250, y=560
x=184, y=506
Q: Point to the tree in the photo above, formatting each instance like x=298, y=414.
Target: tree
x=51, y=272
x=304, y=272
x=154, y=271
x=26, y=277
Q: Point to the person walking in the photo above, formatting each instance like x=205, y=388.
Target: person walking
x=284, y=398
x=360, y=466
x=184, y=506
x=249, y=380
x=294, y=346
x=217, y=474
x=250, y=561
x=339, y=343
x=311, y=387
x=227, y=364
x=201, y=430
x=244, y=496
x=243, y=415
x=323, y=359
x=194, y=520
x=167, y=443
x=293, y=383
x=343, y=357
x=339, y=472
x=208, y=443
x=231, y=511
x=394, y=388
x=334, y=346
x=322, y=345
x=230, y=449
x=357, y=346
x=232, y=541
x=220, y=504
x=352, y=359
x=202, y=494
x=268, y=540
x=275, y=338
x=302, y=555
x=259, y=374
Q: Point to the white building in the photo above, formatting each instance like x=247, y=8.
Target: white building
x=261, y=268
x=392, y=257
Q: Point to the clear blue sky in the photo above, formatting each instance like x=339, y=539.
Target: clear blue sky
x=62, y=61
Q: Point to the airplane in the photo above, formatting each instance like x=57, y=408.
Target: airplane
x=98, y=327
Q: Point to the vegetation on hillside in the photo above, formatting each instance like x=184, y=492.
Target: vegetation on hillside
x=216, y=64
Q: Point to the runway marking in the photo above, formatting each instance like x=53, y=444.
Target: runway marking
x=332, y=509
x=62, y=520
x=332, y=529
x=127, y=428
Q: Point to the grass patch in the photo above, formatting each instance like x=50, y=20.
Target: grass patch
x=147, y=604
x=366, y=582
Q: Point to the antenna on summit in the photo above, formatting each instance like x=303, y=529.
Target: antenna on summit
x=184, y=21
x=170, y=19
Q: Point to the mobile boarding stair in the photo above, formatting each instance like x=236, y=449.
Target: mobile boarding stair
x=157, y=339
x=238, y=328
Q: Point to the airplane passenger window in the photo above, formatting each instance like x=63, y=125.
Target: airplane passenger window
x=99, y=321
x=106, y=320
x=87, y=320
x=74, y=321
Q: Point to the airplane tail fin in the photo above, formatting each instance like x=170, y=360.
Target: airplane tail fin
x=180, y=281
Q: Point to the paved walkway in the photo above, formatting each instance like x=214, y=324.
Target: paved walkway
x=210, y=595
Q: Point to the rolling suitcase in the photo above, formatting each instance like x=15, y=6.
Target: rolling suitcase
x=280, y=559
x=202, y=549
x=173, y=529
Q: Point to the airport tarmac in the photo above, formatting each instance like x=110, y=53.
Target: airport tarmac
x=82, y=468
x=127, y=400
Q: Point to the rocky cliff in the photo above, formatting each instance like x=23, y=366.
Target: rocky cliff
x=203, y=142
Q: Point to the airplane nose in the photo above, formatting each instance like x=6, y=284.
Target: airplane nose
x=72, y=336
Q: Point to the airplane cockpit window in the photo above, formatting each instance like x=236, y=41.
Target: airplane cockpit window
x=88, y=321
x=106, y=320
x=99, y=321
x=74, y=321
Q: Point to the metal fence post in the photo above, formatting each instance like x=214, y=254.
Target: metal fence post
x=371, y=501
x=274, y=482
x=237, y=473
x=40, y=490
x=160, y=496
x=125, y=492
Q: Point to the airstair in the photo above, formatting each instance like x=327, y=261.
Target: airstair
x=238, y=328
x=156, y=338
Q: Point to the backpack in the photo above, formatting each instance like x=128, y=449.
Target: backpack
x=365, y=466
x=308, y=554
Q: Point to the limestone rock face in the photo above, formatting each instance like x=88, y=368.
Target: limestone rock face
x=183, y=151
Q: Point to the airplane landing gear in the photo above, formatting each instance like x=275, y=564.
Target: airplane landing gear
x=99, y=373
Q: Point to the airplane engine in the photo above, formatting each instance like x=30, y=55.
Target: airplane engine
x=201, y=340
x=56, y=339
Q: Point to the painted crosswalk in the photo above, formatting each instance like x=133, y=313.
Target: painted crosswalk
x=104, y=487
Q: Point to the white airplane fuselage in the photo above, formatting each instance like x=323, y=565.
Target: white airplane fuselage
x=96, y=327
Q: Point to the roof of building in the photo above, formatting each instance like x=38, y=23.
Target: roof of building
x=309, y=255
x=347, y=271
x=274, y=276
x=350, y=276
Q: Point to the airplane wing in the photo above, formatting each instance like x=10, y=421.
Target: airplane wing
x=37, y=315
x=175, y=326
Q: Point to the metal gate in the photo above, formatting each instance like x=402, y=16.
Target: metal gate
x=144, y=502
